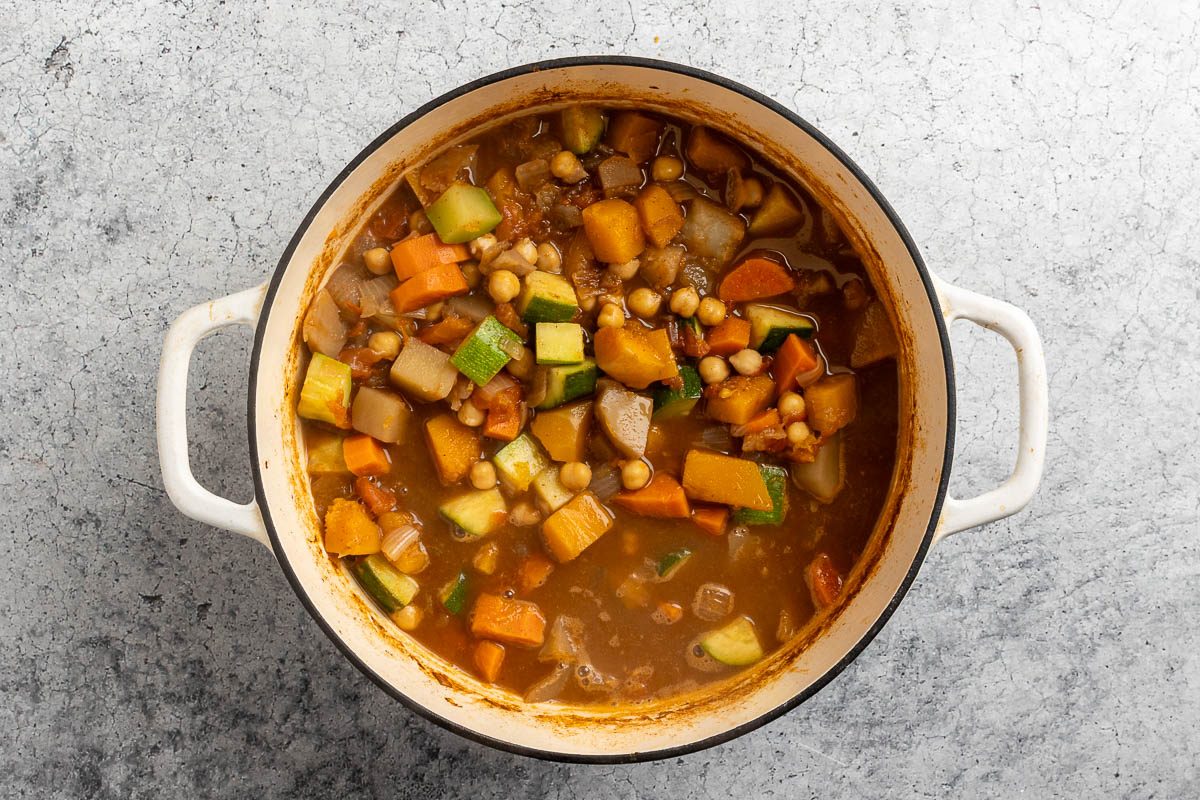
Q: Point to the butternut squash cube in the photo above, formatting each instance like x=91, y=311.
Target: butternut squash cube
x=740, y=398
x=453, y=446
x=661, y=216
x=613, y=230
x=718, y=478
x=574, y=527
x=635, y=356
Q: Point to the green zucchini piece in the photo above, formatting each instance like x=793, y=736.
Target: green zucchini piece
x=463, y=212
x=454, y=594
x=669, y=564
x=559, y=343
x=673, y=403
x=582, y=128
x=546, y=297
x=736, y=644
x=390, y=587
x=550, y=490
x=769, y=326
x=478, y=513
x=326, y=386
x=520, y=461
x=485, y=352
x=776, y=478
x=567, y=382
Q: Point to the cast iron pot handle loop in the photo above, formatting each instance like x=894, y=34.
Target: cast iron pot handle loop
x=1015, y=493
x=185, y=492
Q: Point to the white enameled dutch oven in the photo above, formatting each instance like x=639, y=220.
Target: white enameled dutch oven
x=918, y=512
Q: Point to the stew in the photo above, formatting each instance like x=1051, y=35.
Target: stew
x=600, y=407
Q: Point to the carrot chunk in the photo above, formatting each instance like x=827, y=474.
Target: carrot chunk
x=518, y=622
x=663, y=497
x=436, y=283
x=754, y=279
x=711, y=519
x=489, y=657
x=729, y=337
x=364, y=455
x=795, y=357
x=413, y=256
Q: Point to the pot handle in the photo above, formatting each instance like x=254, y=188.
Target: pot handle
x=1015, y=493
x=186, y=493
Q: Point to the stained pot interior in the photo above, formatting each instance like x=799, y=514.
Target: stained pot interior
x=440, y=689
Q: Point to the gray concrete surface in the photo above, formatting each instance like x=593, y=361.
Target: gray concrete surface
x=153, y=156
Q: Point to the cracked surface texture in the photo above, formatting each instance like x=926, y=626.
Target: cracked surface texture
x=157, y=156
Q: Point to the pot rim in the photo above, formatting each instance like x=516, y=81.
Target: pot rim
x=865, y=639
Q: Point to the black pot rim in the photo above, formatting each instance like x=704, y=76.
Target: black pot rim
x=868, y=635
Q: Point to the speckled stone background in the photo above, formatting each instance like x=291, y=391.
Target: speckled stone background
x=153, y=156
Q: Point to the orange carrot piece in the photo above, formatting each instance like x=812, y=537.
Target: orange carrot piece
x=663, y=497
x=518, y=622
x=432, y=285
x=413, y=256
x=489, y=657
x=505, y=416
x=795, y=357
x=364, y=455
x=669, y=612
x=764, y=420
x=378, y=499
x=729, y=337
x=824, y=581
x=533, y=573
x=711, y=519
x=448, y=331
x=754, y=279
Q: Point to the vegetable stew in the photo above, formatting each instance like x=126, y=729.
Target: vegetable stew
x=601, y=407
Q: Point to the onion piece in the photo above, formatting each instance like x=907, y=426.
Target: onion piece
x=345, y=286
x=398, y=540
x=513, y=348
x=324, y=330
x=474, y=307
x=715, y=437
x=606, y=482
x=824, y=477
x=482, y=396
x=564, y=641
x=551, y=686
x=713, y=602
x=376, y=297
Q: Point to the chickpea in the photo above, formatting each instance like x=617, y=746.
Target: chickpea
x=611, y=316
x=713, y=369
x=548, y=258
x=685, y=301
x=666, y=168
x=747, y=362
x=524, y=514
x=635, y=475
x=798, y=433
x=711, y=312
x=408, y=618
x=378, y=260
x=522, y=367
x=483, y=474
x=470, y=415
x=386, y=344
x=566, y=167
x=644, y=302
x=526, y=249
x=503, y=285
x=419, y=223
x=481, y=245
x=625, y=271
x=752, y=192
x=575, y=475
x=791, y=405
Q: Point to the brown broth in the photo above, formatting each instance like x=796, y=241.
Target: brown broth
x=767, y=574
